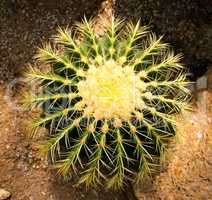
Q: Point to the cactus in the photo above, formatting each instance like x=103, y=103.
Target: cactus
x=108, y=101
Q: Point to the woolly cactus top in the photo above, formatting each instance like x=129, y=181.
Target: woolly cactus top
x=108, y=101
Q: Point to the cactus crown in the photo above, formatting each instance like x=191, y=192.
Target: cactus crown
x=109, y=101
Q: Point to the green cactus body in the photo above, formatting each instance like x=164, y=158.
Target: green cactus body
x=108, y=101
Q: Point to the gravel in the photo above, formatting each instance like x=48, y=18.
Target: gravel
x=26, y=24
x=4, y=194
x=185, y=24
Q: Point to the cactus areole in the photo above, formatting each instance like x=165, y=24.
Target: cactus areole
x=108, y=101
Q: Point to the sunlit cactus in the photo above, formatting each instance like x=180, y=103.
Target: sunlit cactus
x=108, y=101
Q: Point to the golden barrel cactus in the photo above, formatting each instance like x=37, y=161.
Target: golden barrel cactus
x=108, y=101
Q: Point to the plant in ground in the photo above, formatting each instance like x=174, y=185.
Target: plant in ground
x=108, y=101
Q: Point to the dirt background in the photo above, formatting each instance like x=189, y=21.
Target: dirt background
x=186, y=175
x=188, y=171
x=185, y=24
x=25, y=24
x=26, y=174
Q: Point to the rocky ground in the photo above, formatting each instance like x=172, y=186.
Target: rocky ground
x=25, y=24
x=25, y=174
x=185, y=24
x=188, y=173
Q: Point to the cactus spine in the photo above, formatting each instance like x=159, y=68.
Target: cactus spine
x=109, y=101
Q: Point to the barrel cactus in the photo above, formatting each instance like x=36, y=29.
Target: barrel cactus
x=109, y=101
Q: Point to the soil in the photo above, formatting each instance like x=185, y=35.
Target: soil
x=185, y=24
x=26, y=174
x=26, y=24
x=187, y=175
x=188, y=171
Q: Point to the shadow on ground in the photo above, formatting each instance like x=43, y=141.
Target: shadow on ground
x=25, y=24
x=185, y=24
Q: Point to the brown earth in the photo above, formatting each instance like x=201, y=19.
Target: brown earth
x=185, y=24
x=188, y=172
x=187, y=175
x=25, y=24
x=27, y=175
x=22, y=171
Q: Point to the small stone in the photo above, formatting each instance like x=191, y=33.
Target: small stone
x=43, y=193
x=30, y=160
x=31, y=198
x=4, y=194
x=202, y=83
x=200, y=135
